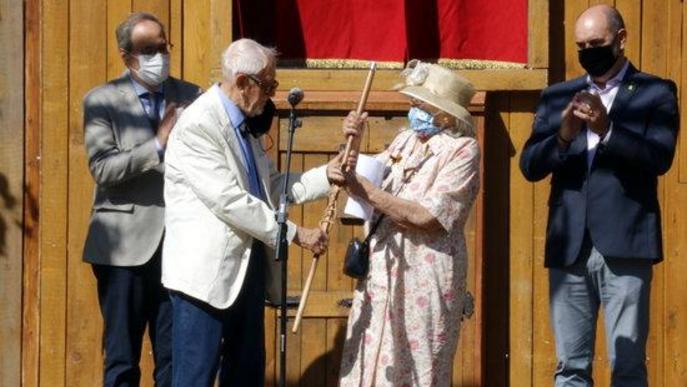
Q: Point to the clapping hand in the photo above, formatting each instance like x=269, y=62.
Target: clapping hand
x=589, y=108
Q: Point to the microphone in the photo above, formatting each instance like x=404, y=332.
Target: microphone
x=295, y=96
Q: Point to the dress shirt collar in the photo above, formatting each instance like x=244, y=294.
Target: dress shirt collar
x=611, y=83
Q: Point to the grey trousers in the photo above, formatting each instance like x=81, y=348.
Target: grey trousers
x=621, y=287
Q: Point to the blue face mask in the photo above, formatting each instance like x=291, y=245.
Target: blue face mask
x=422, y=122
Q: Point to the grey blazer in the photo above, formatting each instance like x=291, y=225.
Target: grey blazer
x=127, y=219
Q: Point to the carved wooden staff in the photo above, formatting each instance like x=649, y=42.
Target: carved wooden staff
x=330, y=211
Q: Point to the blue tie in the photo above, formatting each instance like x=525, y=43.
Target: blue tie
x=154, y=113
x=253, y=176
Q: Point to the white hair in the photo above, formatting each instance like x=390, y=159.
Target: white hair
x=246, y=56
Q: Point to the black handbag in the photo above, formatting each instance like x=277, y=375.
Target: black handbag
x=357, y=259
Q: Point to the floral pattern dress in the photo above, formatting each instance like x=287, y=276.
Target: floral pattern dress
x=405, y=320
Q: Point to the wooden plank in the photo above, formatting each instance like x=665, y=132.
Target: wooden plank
x=544, y=358
x=293, y=359
x=538, y=38
x=601, y=369
x=674, y=369
x=220, y=31
x=382, y=101
x=53, y=191
x=296, y=254
x=675, y=267
x=117, y=11
x=84, y=324
x=573, y=9
x=674, y=59
x=336, y=334
x=11, y=188
x=557, y=41
x=159, y=8
x=521, y=245
x=271, y=351
x=477, y=264
x=468, y=361
x=196, y=36
x=313, y=352
x=464, y=362
x=654, y=51
x=31, y=282
x=681, y=154
x=341, y=80
x=654, y=54
x=312, y=214
x=497, y=163
x=632, y=14
x=175, y=29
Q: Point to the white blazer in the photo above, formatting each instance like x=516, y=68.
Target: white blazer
x=211, y=218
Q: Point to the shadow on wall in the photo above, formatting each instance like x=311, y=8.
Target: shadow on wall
x=324, y=371
x=8, y=202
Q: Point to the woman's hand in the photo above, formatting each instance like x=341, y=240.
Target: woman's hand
x=358, y=186
x=353, y=124
x=335, y=173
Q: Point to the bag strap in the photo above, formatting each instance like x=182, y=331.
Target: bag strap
x=400, y=188
x=374, y=228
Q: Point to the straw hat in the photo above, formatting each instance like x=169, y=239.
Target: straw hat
x=439, y=87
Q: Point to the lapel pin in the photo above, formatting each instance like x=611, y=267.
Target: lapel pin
x=631, y=87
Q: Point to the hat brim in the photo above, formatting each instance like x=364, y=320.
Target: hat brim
x=449, y=107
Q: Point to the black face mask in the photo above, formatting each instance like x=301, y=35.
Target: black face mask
x=597, y=60
x=261, y=124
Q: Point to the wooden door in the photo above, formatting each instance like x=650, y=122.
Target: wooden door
x=314, y=353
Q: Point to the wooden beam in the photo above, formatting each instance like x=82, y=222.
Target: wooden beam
x=32, y=159
x=538, y=34
x=337, y=80
x=348, y=100
x=54, y=85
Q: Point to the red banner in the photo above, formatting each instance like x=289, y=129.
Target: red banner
x=387, y=30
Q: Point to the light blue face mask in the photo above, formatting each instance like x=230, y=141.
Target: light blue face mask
x=422, y=122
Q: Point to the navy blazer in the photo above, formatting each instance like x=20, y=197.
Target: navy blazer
x=615, y=199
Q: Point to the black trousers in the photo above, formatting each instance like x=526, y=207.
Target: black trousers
x=132, y=298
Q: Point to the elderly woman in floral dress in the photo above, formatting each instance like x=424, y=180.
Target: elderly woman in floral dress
x=405, y=320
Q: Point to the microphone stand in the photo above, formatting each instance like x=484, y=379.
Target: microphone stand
x=282, y=253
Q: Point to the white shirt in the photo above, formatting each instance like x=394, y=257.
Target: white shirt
x=607, y=95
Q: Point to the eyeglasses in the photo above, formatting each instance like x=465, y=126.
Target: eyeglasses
x=163, y=48
x=268, y=89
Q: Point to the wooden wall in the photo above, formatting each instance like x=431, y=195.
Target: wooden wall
x=70, y=47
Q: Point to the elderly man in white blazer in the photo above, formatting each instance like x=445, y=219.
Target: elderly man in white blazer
x=221, y=191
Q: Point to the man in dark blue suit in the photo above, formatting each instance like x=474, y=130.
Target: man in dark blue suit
x=604, y=138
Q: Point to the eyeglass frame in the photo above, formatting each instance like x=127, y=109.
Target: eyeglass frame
x=261, y=84
x=158, y=49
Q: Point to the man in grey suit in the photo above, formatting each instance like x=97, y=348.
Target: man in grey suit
x=127, y=122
